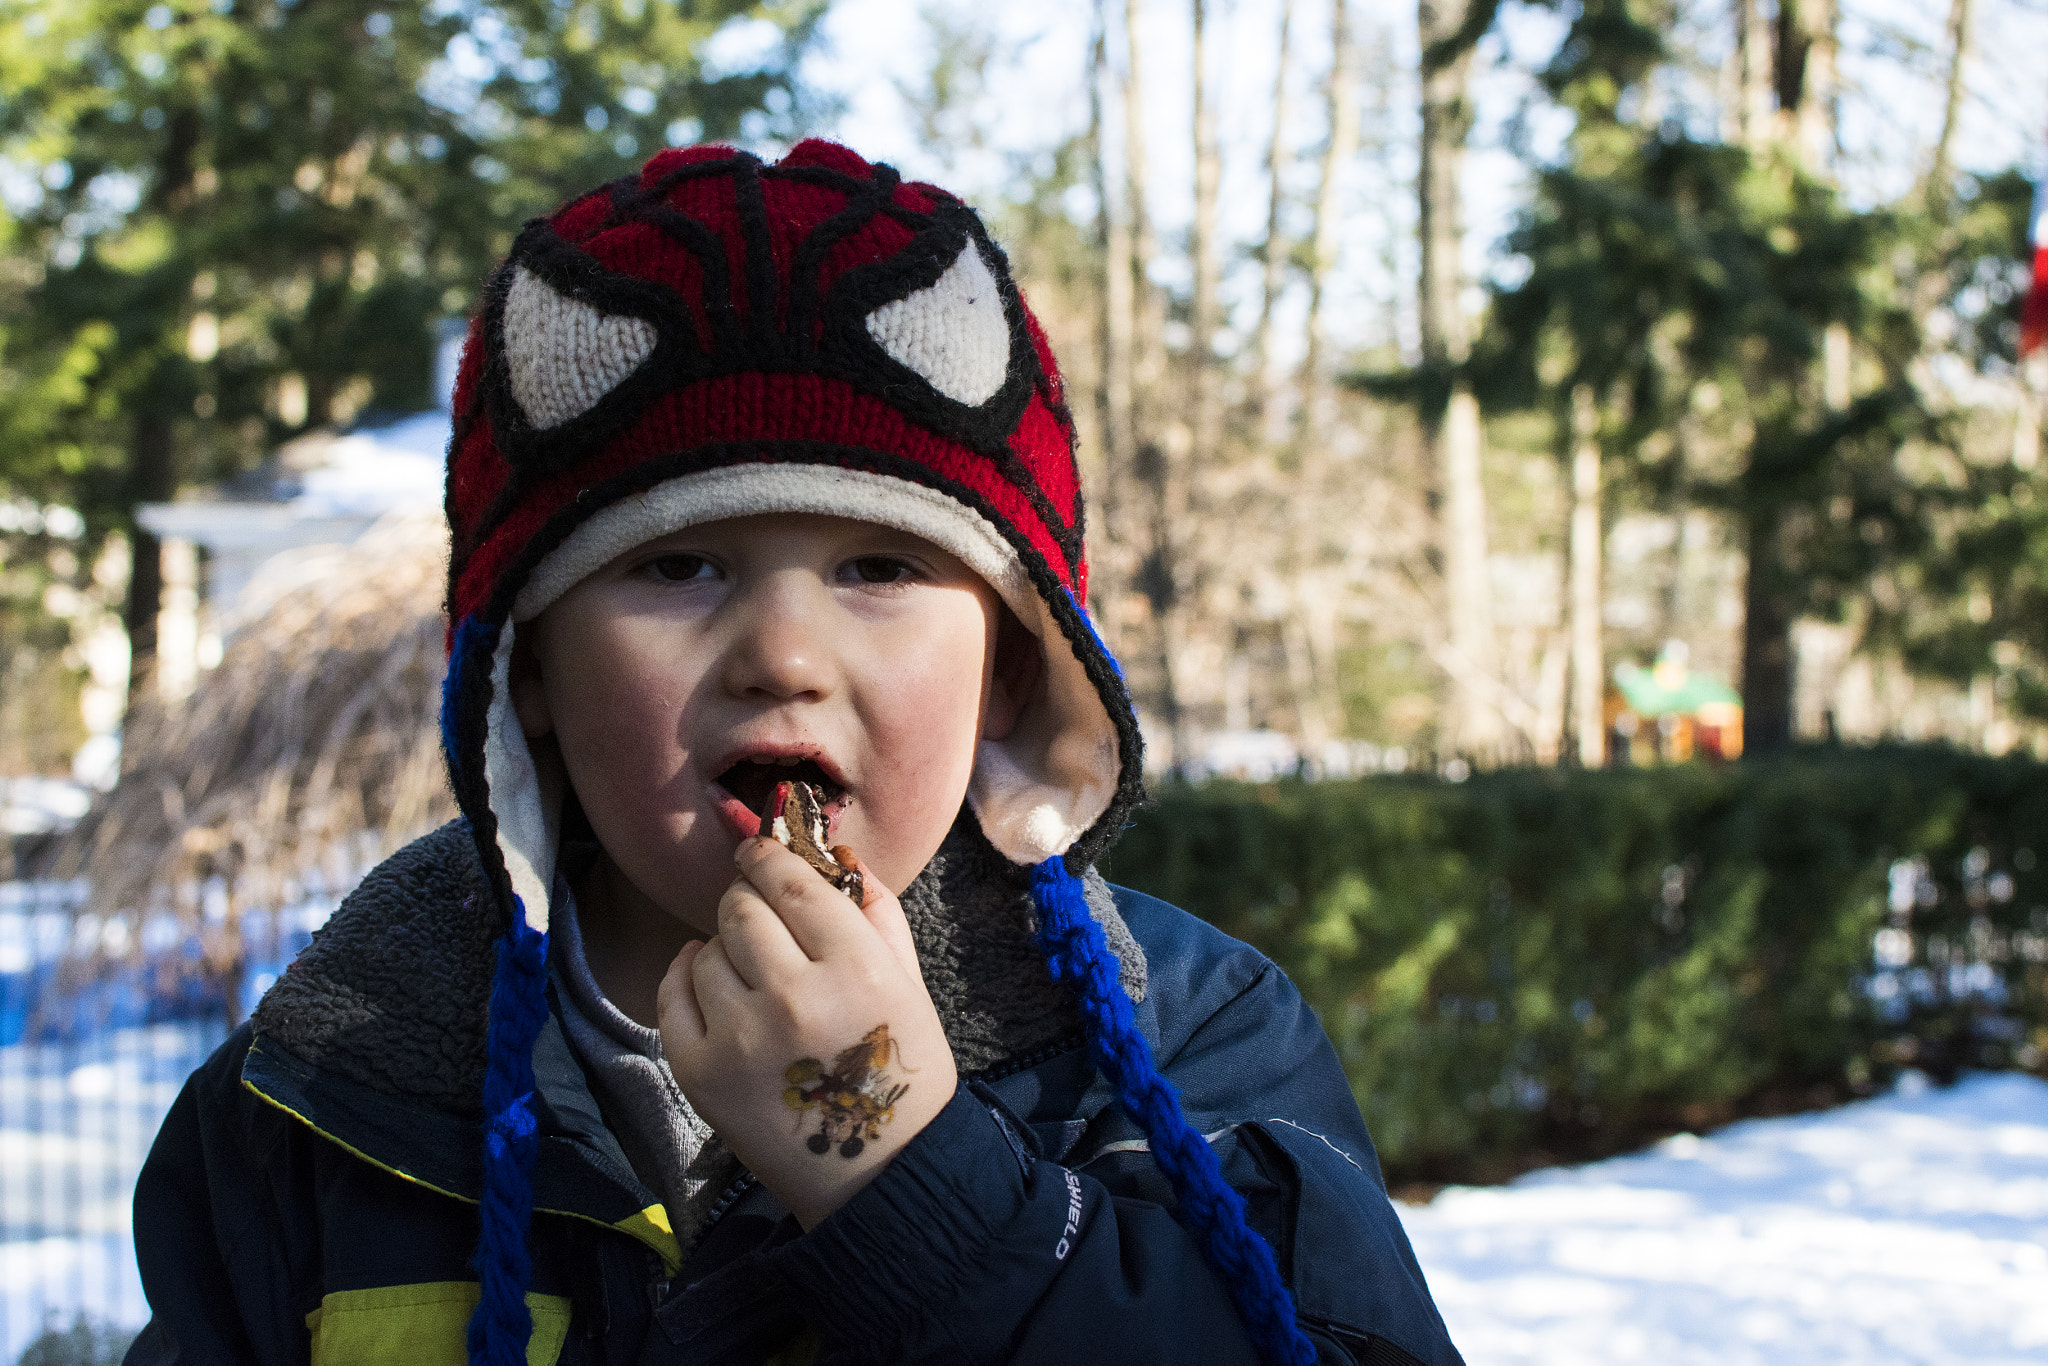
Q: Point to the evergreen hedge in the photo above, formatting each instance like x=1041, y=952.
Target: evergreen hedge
x=1540, y=964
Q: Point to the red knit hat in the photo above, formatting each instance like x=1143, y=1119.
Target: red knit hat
x=715, y=338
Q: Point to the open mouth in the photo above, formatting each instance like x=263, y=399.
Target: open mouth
x=751, y=780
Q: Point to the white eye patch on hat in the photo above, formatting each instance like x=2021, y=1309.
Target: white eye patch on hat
x=563, y=355
x=952, y=331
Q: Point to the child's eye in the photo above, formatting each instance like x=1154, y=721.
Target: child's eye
x=882, y=569
x=680, y=568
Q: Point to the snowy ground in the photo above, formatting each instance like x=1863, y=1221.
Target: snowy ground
x=1910, y=1230
x=76, y=1121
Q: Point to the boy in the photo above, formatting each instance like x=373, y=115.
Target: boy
x=763, y=475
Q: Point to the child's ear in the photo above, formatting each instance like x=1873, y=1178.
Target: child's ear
x=1019, y=663
x=529, y=693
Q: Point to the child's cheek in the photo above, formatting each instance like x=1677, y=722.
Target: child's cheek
x=923, y=734
x=624, y=755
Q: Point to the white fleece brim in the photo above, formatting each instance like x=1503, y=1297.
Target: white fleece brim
x=1036, y=791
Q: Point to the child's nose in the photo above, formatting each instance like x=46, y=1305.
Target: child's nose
x=778, y=648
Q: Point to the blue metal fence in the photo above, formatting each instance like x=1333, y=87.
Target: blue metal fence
x=89, y=1065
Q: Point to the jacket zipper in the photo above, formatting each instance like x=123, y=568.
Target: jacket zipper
x=725, y=1201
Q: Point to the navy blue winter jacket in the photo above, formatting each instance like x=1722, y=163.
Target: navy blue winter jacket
x=311, y=1196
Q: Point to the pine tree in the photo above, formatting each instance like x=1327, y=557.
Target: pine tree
x=1671, y=277
x=245, y=215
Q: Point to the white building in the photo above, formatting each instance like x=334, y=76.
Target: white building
x=324, y=488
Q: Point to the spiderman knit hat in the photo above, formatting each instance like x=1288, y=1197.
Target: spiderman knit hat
x=714, y=338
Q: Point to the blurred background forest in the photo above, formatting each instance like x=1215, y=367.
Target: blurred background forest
x=1438, y=372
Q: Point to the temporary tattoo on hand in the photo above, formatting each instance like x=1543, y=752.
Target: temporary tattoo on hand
x=855, y=1099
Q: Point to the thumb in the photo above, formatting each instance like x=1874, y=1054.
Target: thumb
x=883, y=911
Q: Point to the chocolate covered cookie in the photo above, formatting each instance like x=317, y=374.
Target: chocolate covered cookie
x=794, y=818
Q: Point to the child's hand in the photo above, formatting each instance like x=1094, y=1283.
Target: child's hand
x=802, y=1031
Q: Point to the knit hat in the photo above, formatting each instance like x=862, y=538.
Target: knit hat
x=714, y=338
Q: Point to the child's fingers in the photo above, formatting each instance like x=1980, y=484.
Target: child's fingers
x=675, y=1002
x=870, y=889
x=822, y=920
x=720, y=992
x=883, y=911
x=756, y=942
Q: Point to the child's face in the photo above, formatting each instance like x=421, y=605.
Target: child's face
x=677, y=676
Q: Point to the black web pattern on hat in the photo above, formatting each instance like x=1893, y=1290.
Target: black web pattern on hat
x=774, y=333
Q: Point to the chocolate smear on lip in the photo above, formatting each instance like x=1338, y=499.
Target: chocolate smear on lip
x=794, y=817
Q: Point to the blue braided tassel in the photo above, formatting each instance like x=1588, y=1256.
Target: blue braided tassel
x=519, y=1006
x=1076, y=952
x=465, y=648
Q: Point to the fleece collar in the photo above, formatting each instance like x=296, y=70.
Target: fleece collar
x=394, y=991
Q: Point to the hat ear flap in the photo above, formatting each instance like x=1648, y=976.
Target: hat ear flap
x=561, y=355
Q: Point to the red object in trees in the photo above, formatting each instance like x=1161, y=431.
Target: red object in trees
x=2034, y=315
x=2034, y=312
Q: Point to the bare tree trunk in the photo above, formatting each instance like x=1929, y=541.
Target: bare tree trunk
x=1788, y=72
x=1311, y=641
x=1446, y=123
x=1803, y=74
x=1471, y=724
x=152, y=478
x=1767, y=672
x=1144, y=247
x=1153, y=463
x=1836, y=370
x=1815, y=116
x=1589, y=673
x=1818, y=136
x=152, y=474
x=1298, y=656
x=1769, y=606
x=1203, y=373
x=1937, y=190
x=1770, y=596
x=2026, y=426
x=1546, y=725
x=1939, y=172
x=1337, y=154
x=1277, y=246
x=1208, y=175
x=1113, y=349
x=1202, y=536
x=1474, y=724
x=1678, y=603
x=1754, y=121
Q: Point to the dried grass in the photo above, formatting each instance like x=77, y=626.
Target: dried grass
x=311, y=751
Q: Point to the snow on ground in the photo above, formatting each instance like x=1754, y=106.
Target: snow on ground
x=76, y=1121
x=1910, y=1230
x=52, y=1283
